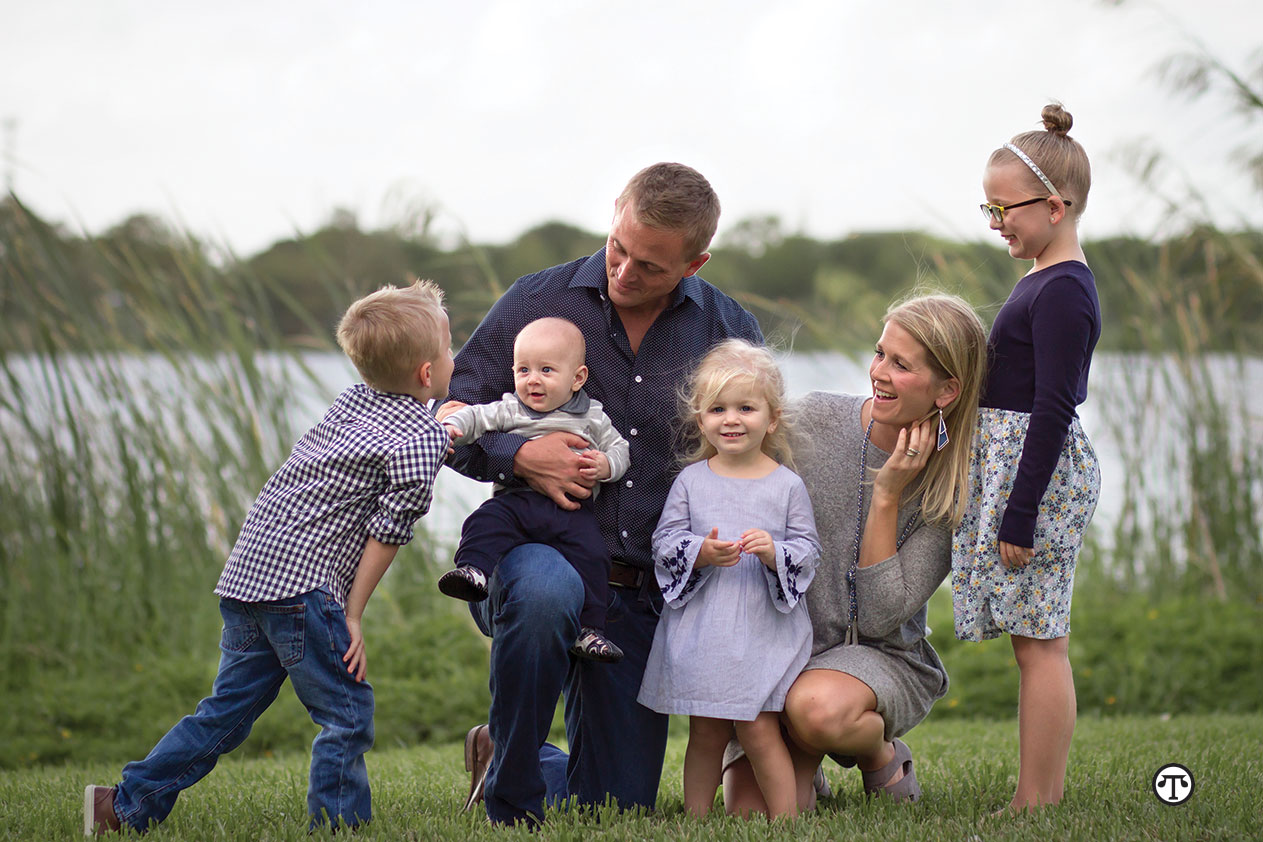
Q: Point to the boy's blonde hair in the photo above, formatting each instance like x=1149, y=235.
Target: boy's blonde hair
x=389, y=333
x=955, y=347
x=1057, y=154
x=735, y=361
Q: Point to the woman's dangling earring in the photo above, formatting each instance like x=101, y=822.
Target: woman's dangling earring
x=942, y=431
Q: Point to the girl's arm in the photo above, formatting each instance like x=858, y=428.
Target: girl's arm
x=793, y=559
x=1063, y=324
x=676, y=549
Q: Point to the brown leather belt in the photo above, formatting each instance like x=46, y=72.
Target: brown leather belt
x=626, y=576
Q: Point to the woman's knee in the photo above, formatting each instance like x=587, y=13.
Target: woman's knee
x=822, y=719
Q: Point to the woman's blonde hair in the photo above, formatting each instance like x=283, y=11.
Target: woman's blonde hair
x=1058, y=155
x=389, y=333
x=955, y=347
x=735, y=361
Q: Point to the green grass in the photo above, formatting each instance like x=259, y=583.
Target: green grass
x=967, y=769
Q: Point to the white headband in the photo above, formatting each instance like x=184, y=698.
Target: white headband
x=1038, y=172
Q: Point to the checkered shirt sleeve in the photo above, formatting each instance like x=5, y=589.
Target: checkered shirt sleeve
x=366, y=470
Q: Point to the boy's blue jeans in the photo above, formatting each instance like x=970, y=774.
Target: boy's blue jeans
x=302, y=638
x=616, y=744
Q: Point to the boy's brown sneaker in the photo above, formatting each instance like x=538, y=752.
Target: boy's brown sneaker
x=98, y=811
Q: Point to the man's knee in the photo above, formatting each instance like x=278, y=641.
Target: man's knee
x=535, y=581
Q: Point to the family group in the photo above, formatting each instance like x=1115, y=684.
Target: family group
x=669, y=534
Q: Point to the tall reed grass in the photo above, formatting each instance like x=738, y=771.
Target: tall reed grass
x=1192, y=447
x=139, y=419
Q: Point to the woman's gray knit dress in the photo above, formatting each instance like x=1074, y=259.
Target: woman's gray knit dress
x=893, y=656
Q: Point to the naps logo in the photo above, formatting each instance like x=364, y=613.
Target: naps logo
x=1173, y=784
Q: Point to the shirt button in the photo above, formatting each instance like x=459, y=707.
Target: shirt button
x=629, y=483
x=478, y=478
x=637, y=378
x=501, y=476
x=632, y=431
x=624, y=533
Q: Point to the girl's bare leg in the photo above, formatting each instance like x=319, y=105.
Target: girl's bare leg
x=703, y=762
x=743, y=797
x=770, y=760
x=1046, y=712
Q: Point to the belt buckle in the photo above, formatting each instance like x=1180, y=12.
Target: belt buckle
x=636, y=583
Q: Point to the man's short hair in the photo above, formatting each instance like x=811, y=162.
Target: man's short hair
x=674, y=197
x=389, y=333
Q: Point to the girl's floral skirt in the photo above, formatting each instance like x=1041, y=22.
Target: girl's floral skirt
x=1031, y=601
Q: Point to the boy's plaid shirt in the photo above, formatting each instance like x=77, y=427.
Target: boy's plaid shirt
x=367, y=469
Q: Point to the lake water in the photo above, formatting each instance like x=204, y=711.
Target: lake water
x=1132, y=414
x=1127, y=411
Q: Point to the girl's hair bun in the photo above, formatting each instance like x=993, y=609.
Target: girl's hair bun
x=1056, y=119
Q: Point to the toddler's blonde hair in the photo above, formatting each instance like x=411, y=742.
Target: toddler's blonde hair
x=389, y=333
x=735, y=361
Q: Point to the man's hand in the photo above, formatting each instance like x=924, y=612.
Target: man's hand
x=550, y=465
x=594, y=465
x=717, y=553
x=356, y=659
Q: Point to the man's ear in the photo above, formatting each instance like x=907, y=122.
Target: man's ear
x=697, y=263
x=580, y=377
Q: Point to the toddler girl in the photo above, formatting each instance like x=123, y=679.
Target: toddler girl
x=1035, y=478
x=734, y=551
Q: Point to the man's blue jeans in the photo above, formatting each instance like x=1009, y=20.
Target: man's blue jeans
x=616, y=744
x=302, y=638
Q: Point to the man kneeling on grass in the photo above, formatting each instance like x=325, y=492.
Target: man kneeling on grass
x=314, y=545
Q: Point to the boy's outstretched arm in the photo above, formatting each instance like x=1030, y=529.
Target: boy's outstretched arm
x=373, y=565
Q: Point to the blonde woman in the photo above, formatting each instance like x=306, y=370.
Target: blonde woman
x=887, y=474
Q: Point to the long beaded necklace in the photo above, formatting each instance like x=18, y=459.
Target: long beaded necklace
x=852, y=637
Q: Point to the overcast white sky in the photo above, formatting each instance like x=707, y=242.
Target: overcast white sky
x=247, y=121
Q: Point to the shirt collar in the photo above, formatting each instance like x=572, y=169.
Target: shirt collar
x=592, y=274
x=577, y=405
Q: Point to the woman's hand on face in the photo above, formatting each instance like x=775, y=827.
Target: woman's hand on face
x=911, y=453
x=1011, y=555
x=717, y=553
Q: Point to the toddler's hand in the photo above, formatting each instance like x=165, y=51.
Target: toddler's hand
x=759, y=543
x=355, y=658
x=594, y=465
x=716, y=553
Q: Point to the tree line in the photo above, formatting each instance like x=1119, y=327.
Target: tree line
x=808, y=293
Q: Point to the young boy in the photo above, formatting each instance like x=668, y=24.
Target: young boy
x=548, y=376
x=314, y=545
